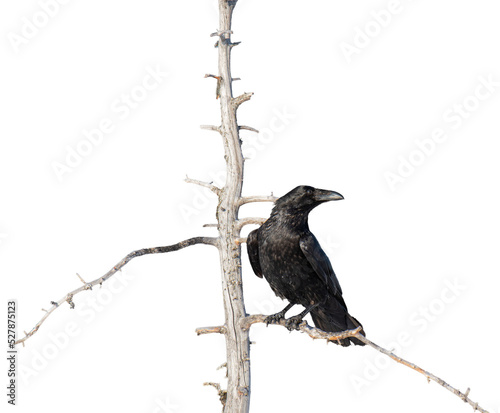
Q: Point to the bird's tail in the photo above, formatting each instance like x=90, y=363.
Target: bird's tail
x=333, y=317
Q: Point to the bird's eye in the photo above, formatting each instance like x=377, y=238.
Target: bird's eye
x=309, y=189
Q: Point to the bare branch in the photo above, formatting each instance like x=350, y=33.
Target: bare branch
x=217, y=89
x=240, y=241
x=215, y=189
x=216, y=386
x=87, y=286
x=428, y=375
x=210, y=225
x=249, y=128
x=210, y=127
x=313, y=332
x=237, y=101
x=211, y=330
x=210, y=75
x=219, y=80
x=250, y=221
x=248, y=199
x=316, y=333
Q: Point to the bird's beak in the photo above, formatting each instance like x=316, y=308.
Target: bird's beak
x=323, y=195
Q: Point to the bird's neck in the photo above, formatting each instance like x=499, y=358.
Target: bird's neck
x=294, y=221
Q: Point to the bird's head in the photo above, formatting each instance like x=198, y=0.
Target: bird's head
x=303, y=199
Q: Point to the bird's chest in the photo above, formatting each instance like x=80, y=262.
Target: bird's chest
x=284, y=265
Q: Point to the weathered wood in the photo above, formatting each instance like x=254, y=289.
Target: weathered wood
x=427, y=374
x=237, y=340
x=98, y=281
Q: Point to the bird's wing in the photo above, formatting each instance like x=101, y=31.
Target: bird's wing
x=320, y=262
x=253, y=252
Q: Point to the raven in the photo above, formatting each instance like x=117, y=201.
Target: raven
x=288, y=255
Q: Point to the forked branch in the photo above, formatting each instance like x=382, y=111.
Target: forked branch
x=237, y=101
x=88, y=286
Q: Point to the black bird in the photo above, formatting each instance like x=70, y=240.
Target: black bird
x=289, y=256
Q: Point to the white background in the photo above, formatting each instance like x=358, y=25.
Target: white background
x=395, y=252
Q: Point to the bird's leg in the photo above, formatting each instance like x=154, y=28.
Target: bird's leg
x=293, y=323
x=276, y=318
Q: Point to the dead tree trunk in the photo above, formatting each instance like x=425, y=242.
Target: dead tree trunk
x=237, y=339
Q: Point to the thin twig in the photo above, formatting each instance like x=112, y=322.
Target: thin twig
x=215, y=189
x=210, y=127
x=428, y=375
x=248, y=128
x=211, y=330
x=222, y=366
x=248, y=199
x=156, y=250
x=249, y=221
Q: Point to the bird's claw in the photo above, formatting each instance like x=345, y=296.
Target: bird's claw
x=274, y=319
x=293, y=323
